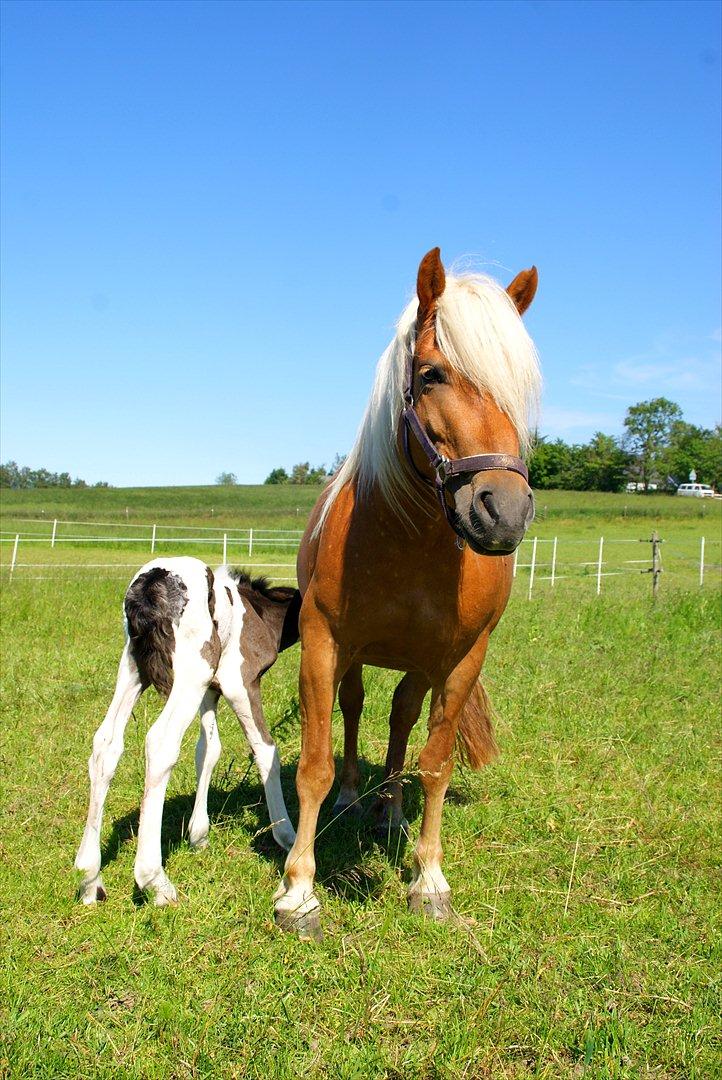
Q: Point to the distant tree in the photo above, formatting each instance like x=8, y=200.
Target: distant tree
x=550, y=464
x=336, y=464
x=228, y=479
x=648, y=428
x=601, y=465
x=277, y=476
x=317, y=475
x=697, y=448
x=299, y=473
x=302, y=473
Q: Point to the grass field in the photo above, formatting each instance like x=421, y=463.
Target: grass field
x=584, y=863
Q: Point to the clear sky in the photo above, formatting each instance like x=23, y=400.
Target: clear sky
x=213, y=214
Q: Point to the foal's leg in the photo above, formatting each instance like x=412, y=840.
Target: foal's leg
x=296, y=906
x=429, y=891
x=408, y=698
x=351, y=700
x=208, y=750
x=246, y=703
x=107, y=748
x=162, y=748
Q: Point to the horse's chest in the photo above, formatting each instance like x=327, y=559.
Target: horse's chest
x=404, y=626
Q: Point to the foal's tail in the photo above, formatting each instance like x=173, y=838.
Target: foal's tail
x=476, y=734
x=153, y=603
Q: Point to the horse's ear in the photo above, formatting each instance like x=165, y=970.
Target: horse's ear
x=523, y=288
x=431, y=279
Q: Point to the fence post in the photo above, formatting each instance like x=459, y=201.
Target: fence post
x=250, y=542
x=656, y=564
x=152, y=542
x=533, y=565
x=554, y=561
x=225, y=549
x=55, y=530
x=513, y=569
x=701, y=563
x=15, y=555
x=599, y=565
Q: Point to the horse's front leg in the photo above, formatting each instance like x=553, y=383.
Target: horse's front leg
x=296, y=907
x=429, y=892
x=351, y=700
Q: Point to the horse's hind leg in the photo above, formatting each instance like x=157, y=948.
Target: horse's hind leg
x=162, y=748
x=351, y=700
x=208, y=750
x=107, y=748
x=409, y=696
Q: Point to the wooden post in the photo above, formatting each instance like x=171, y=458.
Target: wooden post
x=152, y=542
x=225, y=549
x=656, y=564
x=554, y=561
x=533, y=565
x=55, y=532
x=599, y=565
x=250, y=542
x=513, y=569
x=701, y=562
x=15, y=555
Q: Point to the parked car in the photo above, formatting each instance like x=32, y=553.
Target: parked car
x=697, y=491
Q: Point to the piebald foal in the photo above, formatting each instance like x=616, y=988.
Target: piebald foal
x=195, y=636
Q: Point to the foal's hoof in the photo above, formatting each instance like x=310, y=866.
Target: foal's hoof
x=436, y=906
x=91, y=892
x=306, y=925
x=200, y=844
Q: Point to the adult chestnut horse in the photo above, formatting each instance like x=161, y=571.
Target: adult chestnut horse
x=406, y=561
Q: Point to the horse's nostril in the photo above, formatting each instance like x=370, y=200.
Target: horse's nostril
x=489, y=503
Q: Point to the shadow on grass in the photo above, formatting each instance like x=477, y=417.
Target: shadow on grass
x=346, y=846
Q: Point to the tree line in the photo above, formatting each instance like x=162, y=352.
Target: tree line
x=13, y=475
x=657, y=450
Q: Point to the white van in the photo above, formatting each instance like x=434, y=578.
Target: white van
x=698, y=491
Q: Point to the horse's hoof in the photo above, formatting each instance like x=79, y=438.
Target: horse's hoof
x=436, y=906
x=306, y=925
x=165, y=895
x=92, y=893
x=200, y=844
x=383, y=830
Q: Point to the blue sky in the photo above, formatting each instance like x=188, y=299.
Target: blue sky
x=213, y=214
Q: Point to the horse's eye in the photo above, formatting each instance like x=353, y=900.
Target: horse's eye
x=430, y=375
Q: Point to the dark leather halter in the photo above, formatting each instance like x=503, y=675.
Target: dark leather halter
x=444, y=468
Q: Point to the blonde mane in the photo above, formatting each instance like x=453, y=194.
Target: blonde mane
x=482, y=336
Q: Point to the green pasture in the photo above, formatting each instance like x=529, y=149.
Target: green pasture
x=584, y=863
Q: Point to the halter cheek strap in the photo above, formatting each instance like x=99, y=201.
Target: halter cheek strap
x=444, y=467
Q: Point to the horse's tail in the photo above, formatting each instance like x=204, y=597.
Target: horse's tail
x=153, y=603
x=476, y=733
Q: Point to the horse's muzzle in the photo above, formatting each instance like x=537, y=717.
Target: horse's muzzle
x=493, y=511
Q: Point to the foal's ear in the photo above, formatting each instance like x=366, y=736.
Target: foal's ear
x=523, y=288
x=431, y=279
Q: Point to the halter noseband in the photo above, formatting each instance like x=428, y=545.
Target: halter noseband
x=443, y=467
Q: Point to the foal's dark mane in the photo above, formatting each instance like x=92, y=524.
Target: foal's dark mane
x=277, y=594
x=259, y=594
